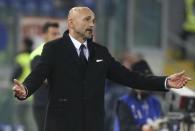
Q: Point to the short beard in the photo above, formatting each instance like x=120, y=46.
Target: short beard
x=88, y=36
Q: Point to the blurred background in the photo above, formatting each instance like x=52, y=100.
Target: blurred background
x=162, y=31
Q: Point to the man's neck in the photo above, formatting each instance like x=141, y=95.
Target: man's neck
x=78, y=38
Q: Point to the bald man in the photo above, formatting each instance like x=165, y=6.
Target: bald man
x=76, y=69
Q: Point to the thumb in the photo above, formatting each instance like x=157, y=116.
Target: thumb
x=188, y=78
x=16, y=82
x=181, y=73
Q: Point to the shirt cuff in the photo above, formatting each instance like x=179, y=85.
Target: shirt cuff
x=166, y=85
x=26, y=91
x=23, y=98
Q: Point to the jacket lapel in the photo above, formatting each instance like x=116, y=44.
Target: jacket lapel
x=91, y=51
x=91, y=61
x=72, y=55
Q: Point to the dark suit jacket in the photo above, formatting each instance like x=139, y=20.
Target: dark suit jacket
x=40, y=97
x=76, y=101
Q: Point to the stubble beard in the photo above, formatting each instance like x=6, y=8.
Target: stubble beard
x=88, y=34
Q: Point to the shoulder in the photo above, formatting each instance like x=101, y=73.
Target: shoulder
x=54, y=43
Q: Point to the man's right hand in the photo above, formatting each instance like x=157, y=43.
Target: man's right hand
x=19, y=90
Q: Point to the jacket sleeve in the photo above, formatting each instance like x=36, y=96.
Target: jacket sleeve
x=34, y=62
x=133, y=79
x=41, y=71
x=125, y=117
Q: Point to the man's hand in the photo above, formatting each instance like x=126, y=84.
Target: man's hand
x=177, y=80
x=19, y=90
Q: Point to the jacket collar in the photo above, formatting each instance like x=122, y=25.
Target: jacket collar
x=89, y=45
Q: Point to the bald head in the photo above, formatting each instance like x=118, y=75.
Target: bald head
x=75, y=11
x=81, y=21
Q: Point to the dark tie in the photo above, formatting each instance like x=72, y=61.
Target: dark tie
x=83, y=57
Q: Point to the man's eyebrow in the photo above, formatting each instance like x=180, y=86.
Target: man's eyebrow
x=88, y=17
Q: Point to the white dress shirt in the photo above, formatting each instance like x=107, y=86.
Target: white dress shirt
x=77, y=45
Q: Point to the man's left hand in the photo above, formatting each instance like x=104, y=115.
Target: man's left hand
x=177, y=80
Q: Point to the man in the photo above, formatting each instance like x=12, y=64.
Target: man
x=76, y=69
x=50, y=32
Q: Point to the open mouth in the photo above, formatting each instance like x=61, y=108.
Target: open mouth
x=90, y=30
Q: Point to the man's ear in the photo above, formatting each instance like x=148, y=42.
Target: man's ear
x=70, y=22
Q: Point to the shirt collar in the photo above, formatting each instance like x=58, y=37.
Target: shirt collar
x=76, y=43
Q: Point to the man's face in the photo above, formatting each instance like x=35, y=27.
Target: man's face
x=52, y=33
x=83, y=23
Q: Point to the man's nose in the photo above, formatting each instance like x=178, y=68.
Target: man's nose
x=92, y=24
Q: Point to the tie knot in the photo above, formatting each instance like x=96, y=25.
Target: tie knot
x=82, y=47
